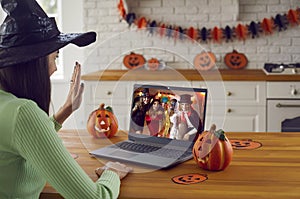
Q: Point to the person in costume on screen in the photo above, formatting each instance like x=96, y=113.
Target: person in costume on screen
x=154, y=117
x=31, y=152
x=138, y=112
x=188, y=121
x=173, y=110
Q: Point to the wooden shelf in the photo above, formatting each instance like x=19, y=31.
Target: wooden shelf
x=186, y=74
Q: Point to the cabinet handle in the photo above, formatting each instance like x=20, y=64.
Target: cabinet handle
x=294, y=92
x=229, y=110
x=229, y=93
x=109, y=93
x=287, y=105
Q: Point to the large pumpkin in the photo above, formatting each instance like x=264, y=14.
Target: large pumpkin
x=102, y=122
x=133, y=61
x=236, y=60
x=212, y=150
x=205, y=61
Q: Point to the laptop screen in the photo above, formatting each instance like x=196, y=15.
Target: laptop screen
x=174, y=113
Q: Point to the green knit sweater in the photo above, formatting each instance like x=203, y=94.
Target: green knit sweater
x=31, y=154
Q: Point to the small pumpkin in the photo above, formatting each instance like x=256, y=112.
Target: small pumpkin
x=212, y=150
x=153, y=64
x=102, y=122
x=133, y=60
x=236, y=60
x=204, y=61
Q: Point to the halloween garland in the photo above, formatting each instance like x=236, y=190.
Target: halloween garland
x=266, y=26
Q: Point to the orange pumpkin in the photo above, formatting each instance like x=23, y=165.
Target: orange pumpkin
x=153, y=64
x=133, y=61
x=212, y=150
x=102, y=122
x=236, y=60
x=204, y=61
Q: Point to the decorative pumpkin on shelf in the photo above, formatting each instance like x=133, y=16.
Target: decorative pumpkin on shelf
x=102, y=122
x=212, y=150
x=133, y=61
x=205, y=61
x=236, y=60
x=153, y=64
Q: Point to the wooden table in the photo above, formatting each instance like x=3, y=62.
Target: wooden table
x=271, y=171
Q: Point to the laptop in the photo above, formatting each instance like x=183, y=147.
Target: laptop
x=165, y=121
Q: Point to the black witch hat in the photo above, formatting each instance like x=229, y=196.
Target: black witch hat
x=28, y=33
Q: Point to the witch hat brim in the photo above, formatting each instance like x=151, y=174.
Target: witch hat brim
x=27, y=33
x=20, y=54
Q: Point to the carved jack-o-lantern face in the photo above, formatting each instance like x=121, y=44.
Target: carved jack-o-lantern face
x=102, y=123
x=245, y=144
x=235, y=60
x=205, y=61
x=133, y=60
x=153, y=64
x=190, y=178
x=212, y=150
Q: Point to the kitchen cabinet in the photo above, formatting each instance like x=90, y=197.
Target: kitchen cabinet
x=241, y=106
x=236, y=102
x=242, y=109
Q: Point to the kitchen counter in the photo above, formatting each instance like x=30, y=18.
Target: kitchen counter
x=186, y=74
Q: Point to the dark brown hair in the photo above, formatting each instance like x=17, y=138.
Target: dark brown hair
x=29, y=80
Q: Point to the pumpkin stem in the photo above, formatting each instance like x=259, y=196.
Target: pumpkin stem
x=212, y=128
x=101, y=107
x=220, y=134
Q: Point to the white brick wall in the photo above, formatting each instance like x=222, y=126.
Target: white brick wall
x=115, y=38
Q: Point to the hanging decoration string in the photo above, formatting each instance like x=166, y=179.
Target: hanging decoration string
x=254, y=29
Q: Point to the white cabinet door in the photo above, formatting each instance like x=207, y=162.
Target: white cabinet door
x=283, y=90
x=108, y=92
x=237, y=118
x=235, y=105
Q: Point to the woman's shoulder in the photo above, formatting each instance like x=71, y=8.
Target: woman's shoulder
x=11, y=102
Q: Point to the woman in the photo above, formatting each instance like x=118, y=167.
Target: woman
x=31, y=153
x=154, y=117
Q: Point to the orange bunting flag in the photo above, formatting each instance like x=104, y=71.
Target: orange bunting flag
x=162, y=30
x=217, y=34
x=293, y=17
x=176, y=33
x=142, y=23
x=267, y=25
x=192, y=33
x=241, y=31
x=121, y=9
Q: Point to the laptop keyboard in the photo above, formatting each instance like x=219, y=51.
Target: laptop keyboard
x=155, y=150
